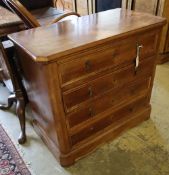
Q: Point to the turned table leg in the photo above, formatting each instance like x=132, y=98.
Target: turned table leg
x=20, y=110
x=11, y=64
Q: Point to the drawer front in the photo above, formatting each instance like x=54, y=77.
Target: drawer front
x=111, y=99
x=149, y=41
x=110, y=120
x=118, y=53
x=97, y=87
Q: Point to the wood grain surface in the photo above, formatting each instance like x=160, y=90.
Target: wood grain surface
x=82, y=33
x=90, y=79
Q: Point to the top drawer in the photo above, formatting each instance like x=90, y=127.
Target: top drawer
x=118, y=53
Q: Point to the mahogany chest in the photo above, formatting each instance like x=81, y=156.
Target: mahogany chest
x=89, y=79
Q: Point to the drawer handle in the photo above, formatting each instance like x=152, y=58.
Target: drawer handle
x=90, y=92
x=91, y=112
x=91, y=128
x=88, y=65
x=131, y=109
x=137, y=60
x=114, y=54
x=113, y=101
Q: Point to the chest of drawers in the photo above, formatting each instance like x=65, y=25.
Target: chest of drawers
x=90, y=79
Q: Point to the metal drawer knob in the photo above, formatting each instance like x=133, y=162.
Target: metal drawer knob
x=113, y=101
x=114, y=54
x=131, y=109
x=88, y=66
x=92, y=128
x=91, y=112
x=90, y=92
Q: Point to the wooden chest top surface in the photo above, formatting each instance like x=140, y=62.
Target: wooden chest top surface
x=48, y=43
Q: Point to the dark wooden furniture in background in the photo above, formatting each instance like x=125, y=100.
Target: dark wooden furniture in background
x=28, y=19
x=107, y=4
x=94, y=85
x=7, y=49
x=155, y=7
x=9, y=72
x=42, y=10
x=11, y=23
x=163, y=10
